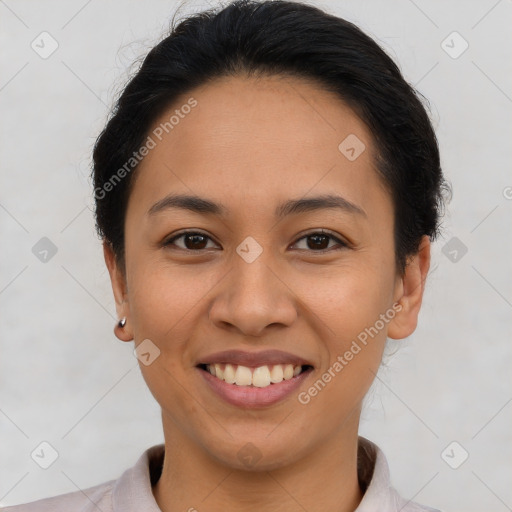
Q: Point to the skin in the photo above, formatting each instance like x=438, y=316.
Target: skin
x=251, y=144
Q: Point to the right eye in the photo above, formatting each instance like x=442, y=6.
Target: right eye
x=192, y=240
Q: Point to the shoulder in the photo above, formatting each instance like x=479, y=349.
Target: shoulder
x=410, y=506
x=130, y=492
x=373, y=472
x=92, y=499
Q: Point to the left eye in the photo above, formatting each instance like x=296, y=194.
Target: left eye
x=195, y=241
x=320, y=238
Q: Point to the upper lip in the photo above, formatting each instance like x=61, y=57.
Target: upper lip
x=254, y=359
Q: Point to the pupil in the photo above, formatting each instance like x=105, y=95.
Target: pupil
x=193, y=237
x=324, y=237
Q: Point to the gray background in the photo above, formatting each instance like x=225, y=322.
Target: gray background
x=65, y=378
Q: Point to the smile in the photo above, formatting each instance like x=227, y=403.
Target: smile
x=253, y=387
x=260, y=377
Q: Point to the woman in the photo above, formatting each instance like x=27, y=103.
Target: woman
x=267, y=190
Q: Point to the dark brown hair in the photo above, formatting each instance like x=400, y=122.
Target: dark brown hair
x=279, y=37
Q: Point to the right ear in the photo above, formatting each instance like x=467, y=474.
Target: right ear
x=120, y=290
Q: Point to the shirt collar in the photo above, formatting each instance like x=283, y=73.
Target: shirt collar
x=133, y=490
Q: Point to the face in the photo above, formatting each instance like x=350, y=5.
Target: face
x=262, y=266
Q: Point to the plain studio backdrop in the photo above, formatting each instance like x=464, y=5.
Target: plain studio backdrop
x=441, y=407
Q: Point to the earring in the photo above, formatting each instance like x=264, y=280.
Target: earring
x=122, y=322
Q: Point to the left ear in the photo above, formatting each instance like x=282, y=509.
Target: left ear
x=118, y=281
x=409, y=292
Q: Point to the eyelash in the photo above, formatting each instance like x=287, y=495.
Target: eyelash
x=344, y=245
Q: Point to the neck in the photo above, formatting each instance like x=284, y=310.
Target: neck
x=193, y=480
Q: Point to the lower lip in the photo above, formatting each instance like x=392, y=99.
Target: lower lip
x=252, y=396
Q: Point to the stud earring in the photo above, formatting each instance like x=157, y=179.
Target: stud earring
x=122, y=322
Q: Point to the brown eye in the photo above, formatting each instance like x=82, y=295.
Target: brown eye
x=192, y=241
x=319, y=242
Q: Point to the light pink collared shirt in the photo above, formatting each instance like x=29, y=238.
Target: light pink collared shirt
x=132, y=492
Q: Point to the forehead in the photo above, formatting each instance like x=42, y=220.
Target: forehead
x=259, y=139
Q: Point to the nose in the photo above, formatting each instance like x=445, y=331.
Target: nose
x=252, y=298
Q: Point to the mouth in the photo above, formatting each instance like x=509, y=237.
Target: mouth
x=254, y=379
x=258, y=377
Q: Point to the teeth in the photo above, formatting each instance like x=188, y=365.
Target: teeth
x=288, y=372
x=276, y=375
x=260, y=377
x=218, y=371
x=229, y=374
x=243, y=376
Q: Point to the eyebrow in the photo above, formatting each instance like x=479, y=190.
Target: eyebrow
x=204, y=206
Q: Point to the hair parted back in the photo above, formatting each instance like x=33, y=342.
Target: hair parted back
x=281, y=37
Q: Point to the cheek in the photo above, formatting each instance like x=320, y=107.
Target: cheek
x=164, y=305
x=165, y=301
x=349, y=308
x=344, y=308
x=347, y=299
